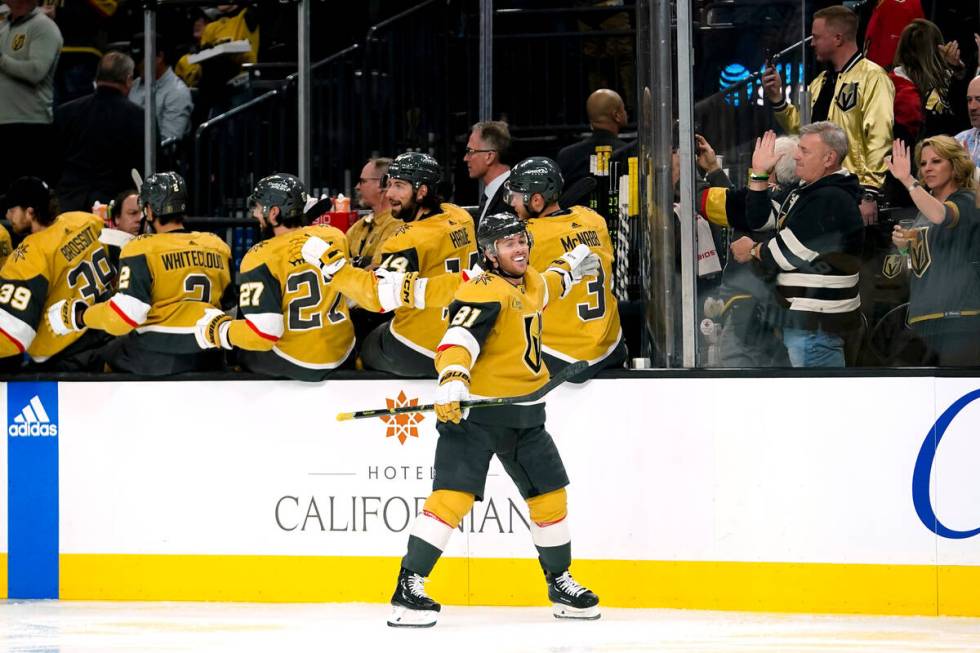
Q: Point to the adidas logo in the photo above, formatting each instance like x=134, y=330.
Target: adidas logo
x=33, y=421
x=576, y=225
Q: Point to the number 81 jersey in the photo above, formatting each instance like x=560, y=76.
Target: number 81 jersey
x=584, y=325
x=62, y=261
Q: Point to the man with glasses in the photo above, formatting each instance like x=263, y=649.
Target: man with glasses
x=367, y=234
x=486, y=160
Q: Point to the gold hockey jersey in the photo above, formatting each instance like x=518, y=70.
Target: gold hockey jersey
x=366, y=236
x=6, y=247
x=63, y=261
x=495, y=332
x=287, y=308
x=166, y=283
x=585, y=324
x=437, y=244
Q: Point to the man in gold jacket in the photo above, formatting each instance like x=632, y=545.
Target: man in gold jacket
x=855, y=93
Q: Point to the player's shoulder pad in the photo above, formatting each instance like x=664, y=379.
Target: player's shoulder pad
x=482, y=288
x=587, y=215
x=256, y=255
x=138, y=246
x=327, y=233
x=208, y=239
x=456, y=212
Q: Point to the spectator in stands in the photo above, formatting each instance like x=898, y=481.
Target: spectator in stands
x=746, y=308
x=171, y=97
x=235, y=23
x=101, y=136
x=486, y=159
x=854, y=93
x=30, y=43
x=607, y=116
x=83, y=24
x=367, y=234
x=970, y=138
x=815, y=253
x=924, y=71
x=885, y=27
x=944, y=293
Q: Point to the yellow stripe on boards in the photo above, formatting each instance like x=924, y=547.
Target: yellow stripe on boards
x=746, y=586
x=3, y=575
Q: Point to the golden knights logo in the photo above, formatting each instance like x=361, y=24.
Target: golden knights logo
x=847, y=97
x=18, y=42
x=893, y=266
x=403, y=425
x=919, y=256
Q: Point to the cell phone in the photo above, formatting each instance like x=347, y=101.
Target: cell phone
x=767, y=58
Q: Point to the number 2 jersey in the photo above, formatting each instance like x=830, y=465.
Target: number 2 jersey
x=166, y=283
x=62, y=261
x=495, y=333
x=288, y=308
x=432, y=246
x=585, y=324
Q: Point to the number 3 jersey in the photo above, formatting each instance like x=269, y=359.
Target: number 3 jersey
x=585, y=324
x=62, y=261
x=288, y=308
x=166, y=283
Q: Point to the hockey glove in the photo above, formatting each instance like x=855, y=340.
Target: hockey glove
x=400, y=289
x=454, y=387
x=327, y=257
x=578, y=263
x=211, y=331
x=66, y=317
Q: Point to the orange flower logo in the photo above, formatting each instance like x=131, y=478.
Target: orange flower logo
x=403, y=425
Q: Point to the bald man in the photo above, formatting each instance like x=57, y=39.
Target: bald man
x=607, y=115
x=970, y=138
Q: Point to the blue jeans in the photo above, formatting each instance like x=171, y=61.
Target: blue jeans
x=813, y=348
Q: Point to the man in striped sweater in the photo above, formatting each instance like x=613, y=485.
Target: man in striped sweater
x=815, y=253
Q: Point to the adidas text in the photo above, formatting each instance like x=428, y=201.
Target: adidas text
x=33, y=429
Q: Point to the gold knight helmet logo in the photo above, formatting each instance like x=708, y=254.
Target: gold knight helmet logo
x=18, y=42
x=402, y=425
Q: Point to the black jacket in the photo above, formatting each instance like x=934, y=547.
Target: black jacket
x=815, y=253
x=101, y=136
x=574, y=159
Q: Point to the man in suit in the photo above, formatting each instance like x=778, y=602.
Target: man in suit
x=101, y=137
x=607, y=116
x=486, y=160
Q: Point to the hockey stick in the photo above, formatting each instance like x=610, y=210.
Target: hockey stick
x=556, y=380
x=577, y=192
x=137, y=179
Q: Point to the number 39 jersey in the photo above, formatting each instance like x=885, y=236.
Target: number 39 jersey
x=585, y=324
x=63, y=261
x=288, y=308
x=166, y=283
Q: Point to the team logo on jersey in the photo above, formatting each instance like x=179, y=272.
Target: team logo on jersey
x=20, y=253
x=403, y=425
x=18, y=42
x=919, y=256
x=892, y=266
x=847, y=97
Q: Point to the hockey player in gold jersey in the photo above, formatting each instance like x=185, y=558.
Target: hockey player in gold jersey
x=437, y=238
x=167, y=281
x=586, y=326
x=60, y=259
x=492, y=348
x=292, y=322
